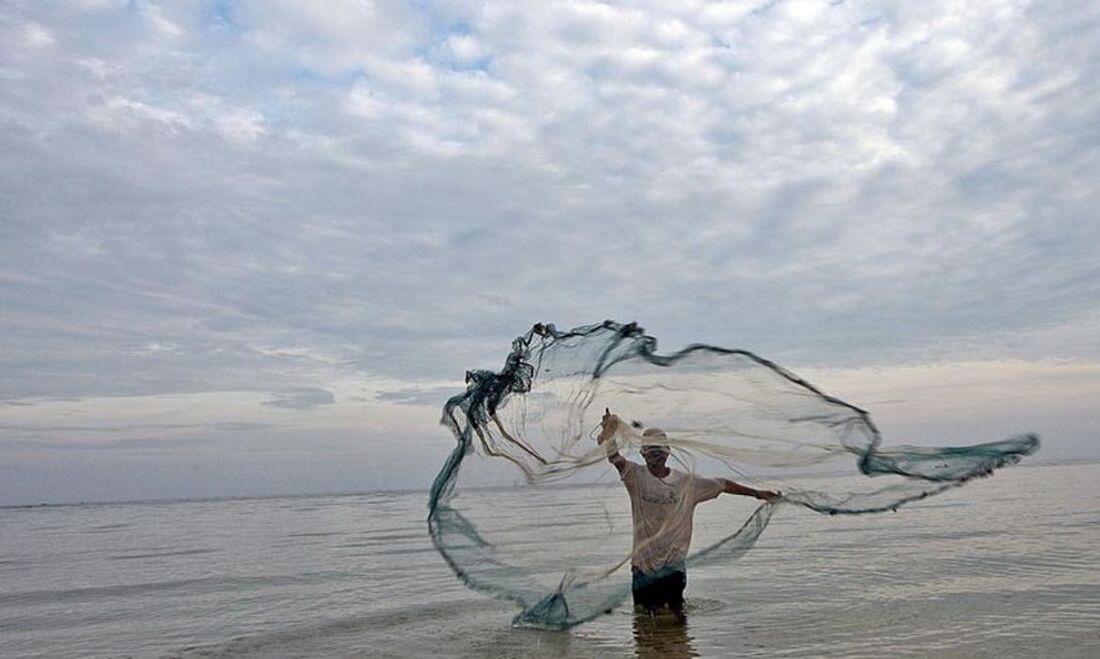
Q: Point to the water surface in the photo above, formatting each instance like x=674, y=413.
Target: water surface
x=1006, y=566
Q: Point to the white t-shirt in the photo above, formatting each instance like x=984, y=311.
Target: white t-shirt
x=663, y=509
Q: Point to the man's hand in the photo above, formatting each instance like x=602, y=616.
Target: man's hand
x=608, y=425
x=768, y=495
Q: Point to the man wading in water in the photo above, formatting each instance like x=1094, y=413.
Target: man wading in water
x=662, y=503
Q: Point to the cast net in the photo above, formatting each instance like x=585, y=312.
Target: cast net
x=527, y=508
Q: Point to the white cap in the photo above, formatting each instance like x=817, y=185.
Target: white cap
x=656, y=436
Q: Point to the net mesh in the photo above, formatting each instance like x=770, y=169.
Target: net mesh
x=526, y=507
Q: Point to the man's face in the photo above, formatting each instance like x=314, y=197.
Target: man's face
x=655, y=456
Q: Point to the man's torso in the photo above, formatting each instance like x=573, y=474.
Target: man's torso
x=662, y=510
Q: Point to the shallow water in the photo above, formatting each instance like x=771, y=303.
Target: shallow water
x=1006, y=566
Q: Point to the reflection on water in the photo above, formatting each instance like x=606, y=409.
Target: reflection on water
x=662, y=634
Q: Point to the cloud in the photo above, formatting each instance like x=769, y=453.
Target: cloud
x=228, y=426
x=305, y=398
x=431, y=396
x=158, y=444
x=921, y=169
x=199, y=198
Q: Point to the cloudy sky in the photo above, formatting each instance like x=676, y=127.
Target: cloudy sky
x=251, y=246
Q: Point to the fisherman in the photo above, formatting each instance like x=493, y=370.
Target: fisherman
x=662, y=503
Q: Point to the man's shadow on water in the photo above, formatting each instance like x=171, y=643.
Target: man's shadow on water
x=662, y=633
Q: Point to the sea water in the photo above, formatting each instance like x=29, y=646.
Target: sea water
x=1007, y=566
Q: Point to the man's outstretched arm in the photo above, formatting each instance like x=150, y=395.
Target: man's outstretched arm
x=730, y=487
x=608, y=424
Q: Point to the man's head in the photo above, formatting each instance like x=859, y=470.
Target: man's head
x=655, y=448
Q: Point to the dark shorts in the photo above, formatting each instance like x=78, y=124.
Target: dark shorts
x=660, y=588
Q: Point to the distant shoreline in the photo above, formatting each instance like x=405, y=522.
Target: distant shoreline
x=419, y=490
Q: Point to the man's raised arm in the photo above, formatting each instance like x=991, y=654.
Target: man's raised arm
x=608, y=425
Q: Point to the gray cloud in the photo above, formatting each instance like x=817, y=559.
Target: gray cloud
x=157, y=444
x=433, y=396
x=231, y=426
x=304, y=398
